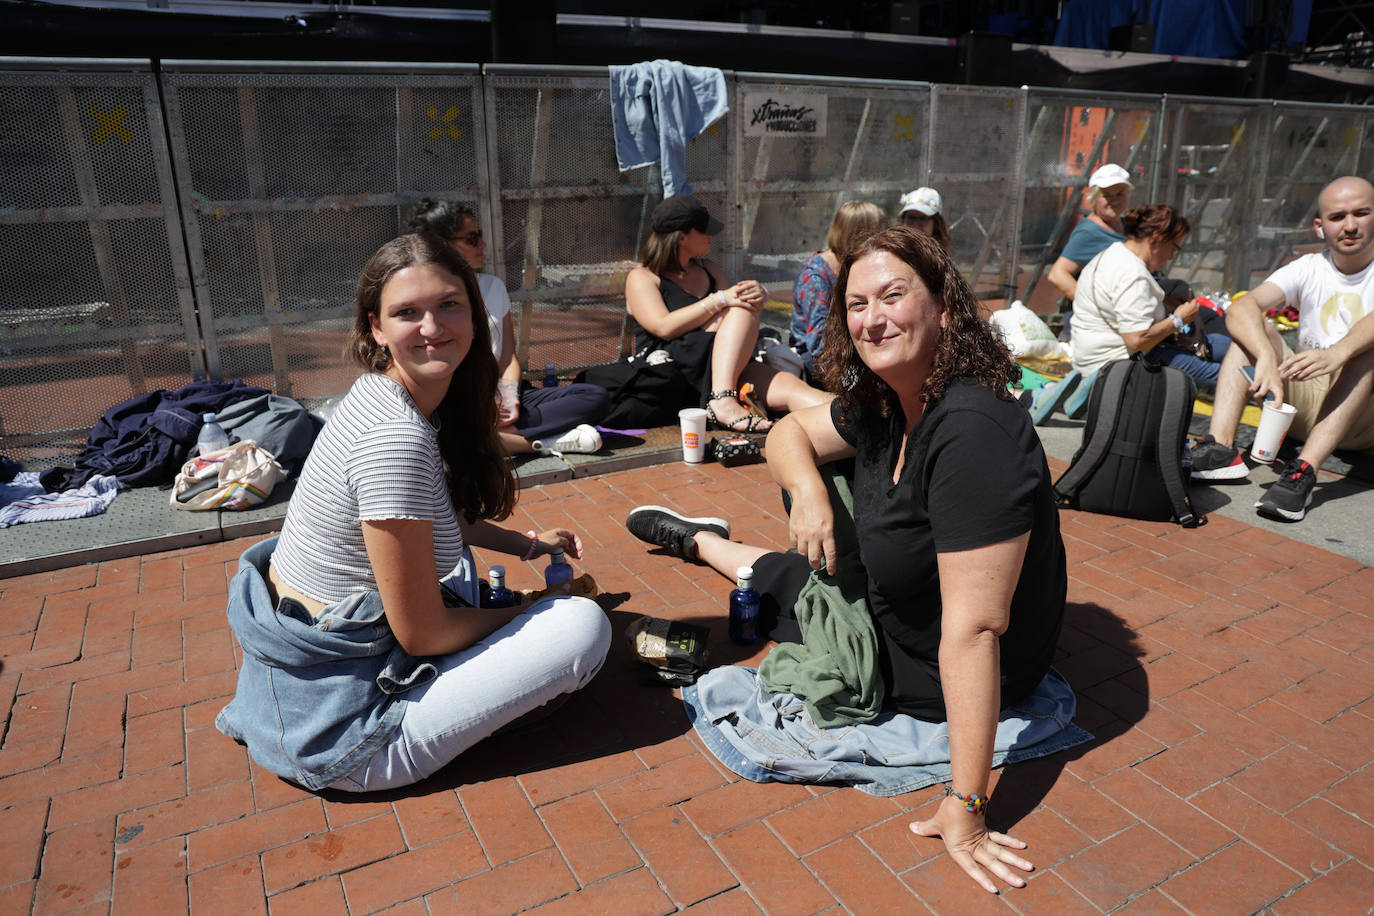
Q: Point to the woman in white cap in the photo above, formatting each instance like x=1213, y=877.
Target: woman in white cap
x=1109, y=196
x=920, y=210
x=683, y=306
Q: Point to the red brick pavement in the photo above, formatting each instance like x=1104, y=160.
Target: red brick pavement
x=1227, y=672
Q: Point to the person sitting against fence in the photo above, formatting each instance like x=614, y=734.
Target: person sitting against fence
x=684, y=307
x=921, y=210
x=548, y=420
x=367, y=663
x=956, y=518
x=853, y=222
x=1120, y=307
x=1109, y=196
x=1330, y=380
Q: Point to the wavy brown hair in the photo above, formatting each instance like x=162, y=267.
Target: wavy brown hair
x=966, y=348
x=660, y=252
x=1155, y=221
x=479, y=478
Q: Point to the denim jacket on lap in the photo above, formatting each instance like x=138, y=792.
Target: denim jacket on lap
x=316, y=698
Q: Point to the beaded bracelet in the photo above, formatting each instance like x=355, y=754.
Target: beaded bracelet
x=534, y=545
x=972, y=801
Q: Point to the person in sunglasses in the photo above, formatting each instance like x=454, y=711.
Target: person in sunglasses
x=546, y=420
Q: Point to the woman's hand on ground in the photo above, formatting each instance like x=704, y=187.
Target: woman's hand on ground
x=559, y=539
x=977, y=849
x=811, y=529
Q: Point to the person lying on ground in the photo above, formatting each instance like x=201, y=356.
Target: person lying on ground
x=685, y=308
x=1330, y=380
x=367, y=663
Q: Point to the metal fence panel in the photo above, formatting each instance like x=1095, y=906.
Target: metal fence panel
x=975, y=140
x=290, y=181
x=791, y=184
x=1070, y=136
x=96, y=304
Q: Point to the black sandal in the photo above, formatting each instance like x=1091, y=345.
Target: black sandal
x=750, y=421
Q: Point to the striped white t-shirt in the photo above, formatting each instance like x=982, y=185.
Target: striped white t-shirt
x=376, y=458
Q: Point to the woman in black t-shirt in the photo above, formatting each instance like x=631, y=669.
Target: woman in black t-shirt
x=957, y=524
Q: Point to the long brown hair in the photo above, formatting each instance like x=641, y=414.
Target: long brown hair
x=967, y=347
x=853, y=222
x=1155, y=221
x=661, y=252
x=479, y=478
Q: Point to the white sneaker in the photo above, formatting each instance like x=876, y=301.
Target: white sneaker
x=582, y=439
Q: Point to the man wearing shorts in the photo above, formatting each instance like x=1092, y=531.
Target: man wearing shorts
x=1330, y=380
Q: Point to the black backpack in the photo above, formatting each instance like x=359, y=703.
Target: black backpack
x=1130, y=461
x=641, y=395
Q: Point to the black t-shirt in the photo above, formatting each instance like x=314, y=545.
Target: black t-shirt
x=975, y=475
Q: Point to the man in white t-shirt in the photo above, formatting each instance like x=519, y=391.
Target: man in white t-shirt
x=1331, y=378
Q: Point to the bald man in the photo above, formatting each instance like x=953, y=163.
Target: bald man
x=1331, y=378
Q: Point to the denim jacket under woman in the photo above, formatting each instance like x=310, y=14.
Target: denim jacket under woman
x=316, y=698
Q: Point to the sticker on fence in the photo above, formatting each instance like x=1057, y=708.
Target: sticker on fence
x=773, y=114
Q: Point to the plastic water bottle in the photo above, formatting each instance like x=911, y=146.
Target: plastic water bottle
x=212, y=436
x=558, y=572
x=499, y=595
x=550, y=376
x=744, y=609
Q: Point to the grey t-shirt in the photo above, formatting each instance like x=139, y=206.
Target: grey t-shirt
x=376, y=458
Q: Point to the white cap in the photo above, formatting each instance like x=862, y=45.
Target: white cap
x=922, y=200
x=1109, y=176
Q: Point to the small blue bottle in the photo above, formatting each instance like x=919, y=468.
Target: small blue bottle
x=744, y=609
x=499, y=595
x=550, y=376
x=558, y=572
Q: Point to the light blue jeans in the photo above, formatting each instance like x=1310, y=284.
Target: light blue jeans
x=554, y=648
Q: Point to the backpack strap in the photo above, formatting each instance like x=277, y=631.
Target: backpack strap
x=1179, y=392
x=1111, y=383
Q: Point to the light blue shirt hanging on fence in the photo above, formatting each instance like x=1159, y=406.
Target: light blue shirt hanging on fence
x=656, y=108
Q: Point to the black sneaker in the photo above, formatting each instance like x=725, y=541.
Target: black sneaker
x=673, y=532
x=1287, y=498
x=1214, y=461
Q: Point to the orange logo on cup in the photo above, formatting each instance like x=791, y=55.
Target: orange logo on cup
x=690, y=440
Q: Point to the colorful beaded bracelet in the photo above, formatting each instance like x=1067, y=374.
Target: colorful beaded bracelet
x=972, y=801
x=534, y=545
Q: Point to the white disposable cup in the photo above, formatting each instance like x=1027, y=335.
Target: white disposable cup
x=1273, y=426
x=693, y=420
x=510, y=397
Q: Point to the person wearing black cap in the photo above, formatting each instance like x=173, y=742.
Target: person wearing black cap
x=684, y=307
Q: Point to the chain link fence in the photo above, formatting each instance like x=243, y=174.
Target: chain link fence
x=209, y=219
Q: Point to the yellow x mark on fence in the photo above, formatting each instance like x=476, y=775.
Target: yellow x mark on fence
x=111, y=124
x=445, y=122
x=907, y=122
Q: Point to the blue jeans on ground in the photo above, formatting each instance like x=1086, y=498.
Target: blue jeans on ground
x=1202, y=370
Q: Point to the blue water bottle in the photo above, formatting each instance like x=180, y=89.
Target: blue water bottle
x=499, y=595
x=558, y=572
x=550, y=377
x=744, y=609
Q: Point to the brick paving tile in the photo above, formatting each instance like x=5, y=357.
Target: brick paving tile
x=330, y=853
x=1240, y=874
x=1129, y=863
x=182, y=816
x=1334, y=892
x=154, y=741
x=429, y=817
x=1339, y=826
x=1166, y=812
x=685, y=865
x=823, y=820
x=590, y=841
x=669, y=784
x=858, y=880
x=1152, y=903
x=414, y=873
x=1243, y=731
x=740, y=802
x=77, y=866
x=893, y=842
x=1303, y=851
x=1086, y=808
x=1324, y=696
x=151, y=879
x=553, y=783
x=323, y=896
x=510, y=888
x=731, y=903
x=231, y=888
x=774, y=876
x=1049, y=838
x=110, y=798
x=354, y=807
x=1287, y=778
x=1049, y=895
x=21, y=840
x=255, y=833
x=1195, y=764
x=1115, y=752
x=631, y=894
x=503, y=820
